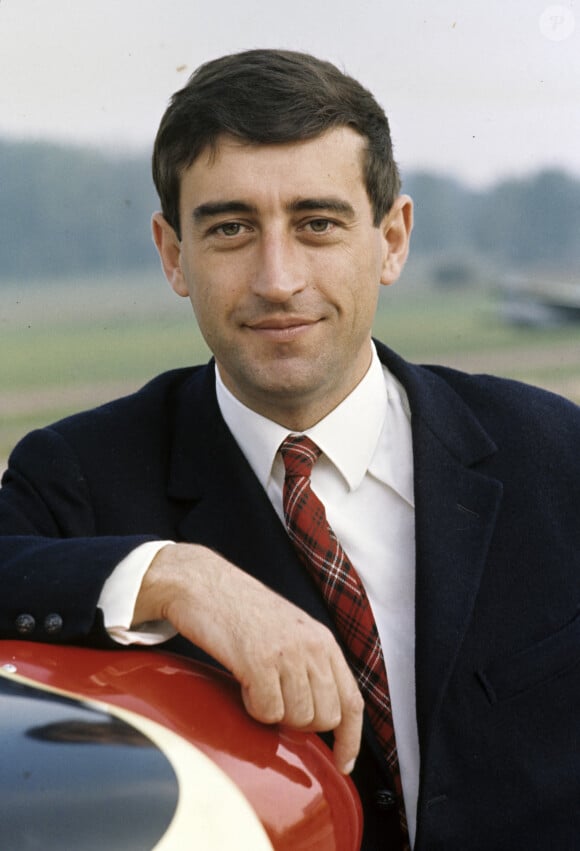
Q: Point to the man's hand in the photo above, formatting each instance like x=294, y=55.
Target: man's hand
x=290, y=667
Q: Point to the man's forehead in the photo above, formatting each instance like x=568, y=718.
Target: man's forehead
x=225, y=142
x=338, y=152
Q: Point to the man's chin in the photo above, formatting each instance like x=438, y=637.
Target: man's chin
x=281, y=386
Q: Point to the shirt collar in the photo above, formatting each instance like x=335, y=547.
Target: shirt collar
x=349, y=434
x=352, y=436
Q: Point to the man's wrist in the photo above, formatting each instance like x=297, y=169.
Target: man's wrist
x=120, y=591
x=168, y=577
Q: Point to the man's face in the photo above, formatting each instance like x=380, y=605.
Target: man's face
x=282, y=264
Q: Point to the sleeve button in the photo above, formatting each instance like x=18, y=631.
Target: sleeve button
x=25, y=624
x=53, y=624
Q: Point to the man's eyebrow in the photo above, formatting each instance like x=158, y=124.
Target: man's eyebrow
x=331, y=204
x=217, y=208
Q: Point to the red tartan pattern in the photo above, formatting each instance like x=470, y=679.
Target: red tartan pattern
x=343, y=592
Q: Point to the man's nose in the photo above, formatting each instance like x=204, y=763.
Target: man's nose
x=280, y=271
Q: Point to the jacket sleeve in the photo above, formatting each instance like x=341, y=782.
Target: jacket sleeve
x=53, y=559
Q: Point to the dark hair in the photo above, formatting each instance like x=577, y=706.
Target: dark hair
x=265, y=97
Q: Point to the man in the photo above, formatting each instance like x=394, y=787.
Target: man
x=175, y=514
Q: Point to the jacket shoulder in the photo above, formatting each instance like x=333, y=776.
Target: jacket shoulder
x=496, y=399
x=152, y=398
x=128, y=426
x=535, y=431
x=523, y=420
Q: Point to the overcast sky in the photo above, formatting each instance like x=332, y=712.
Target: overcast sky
x=475, y=89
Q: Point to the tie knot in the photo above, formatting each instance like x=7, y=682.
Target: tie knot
x=299, y=454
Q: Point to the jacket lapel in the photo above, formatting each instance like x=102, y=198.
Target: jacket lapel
x=455, y=512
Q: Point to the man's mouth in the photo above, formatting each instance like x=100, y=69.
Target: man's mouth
x=283, y=328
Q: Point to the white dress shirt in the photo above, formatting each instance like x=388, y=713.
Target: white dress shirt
x=364, y=478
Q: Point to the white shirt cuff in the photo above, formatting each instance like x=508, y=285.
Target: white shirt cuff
x=119, y=595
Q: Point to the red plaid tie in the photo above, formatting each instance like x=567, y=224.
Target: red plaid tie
x=343, y=592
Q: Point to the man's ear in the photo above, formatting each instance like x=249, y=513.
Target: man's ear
x=396, y=230
x=169, y=250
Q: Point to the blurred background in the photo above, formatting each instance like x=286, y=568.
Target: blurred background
x=484, y=104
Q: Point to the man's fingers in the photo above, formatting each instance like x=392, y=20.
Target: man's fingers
x=326, y=708
x=324, y=698
x=319, y=697
x=263, y=699
x=299, y=701
x=290, y=697
x=348, y=733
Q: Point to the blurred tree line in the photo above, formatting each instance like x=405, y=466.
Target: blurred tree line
x=517, y=223
x=69, y=210
x=65, y=211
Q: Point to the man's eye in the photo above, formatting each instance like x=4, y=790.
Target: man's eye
x=319, y=225
x=229, y=229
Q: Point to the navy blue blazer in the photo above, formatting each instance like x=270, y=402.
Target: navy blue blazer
x=497, y=492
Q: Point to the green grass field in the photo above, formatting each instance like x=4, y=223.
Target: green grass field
x=65, y=347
